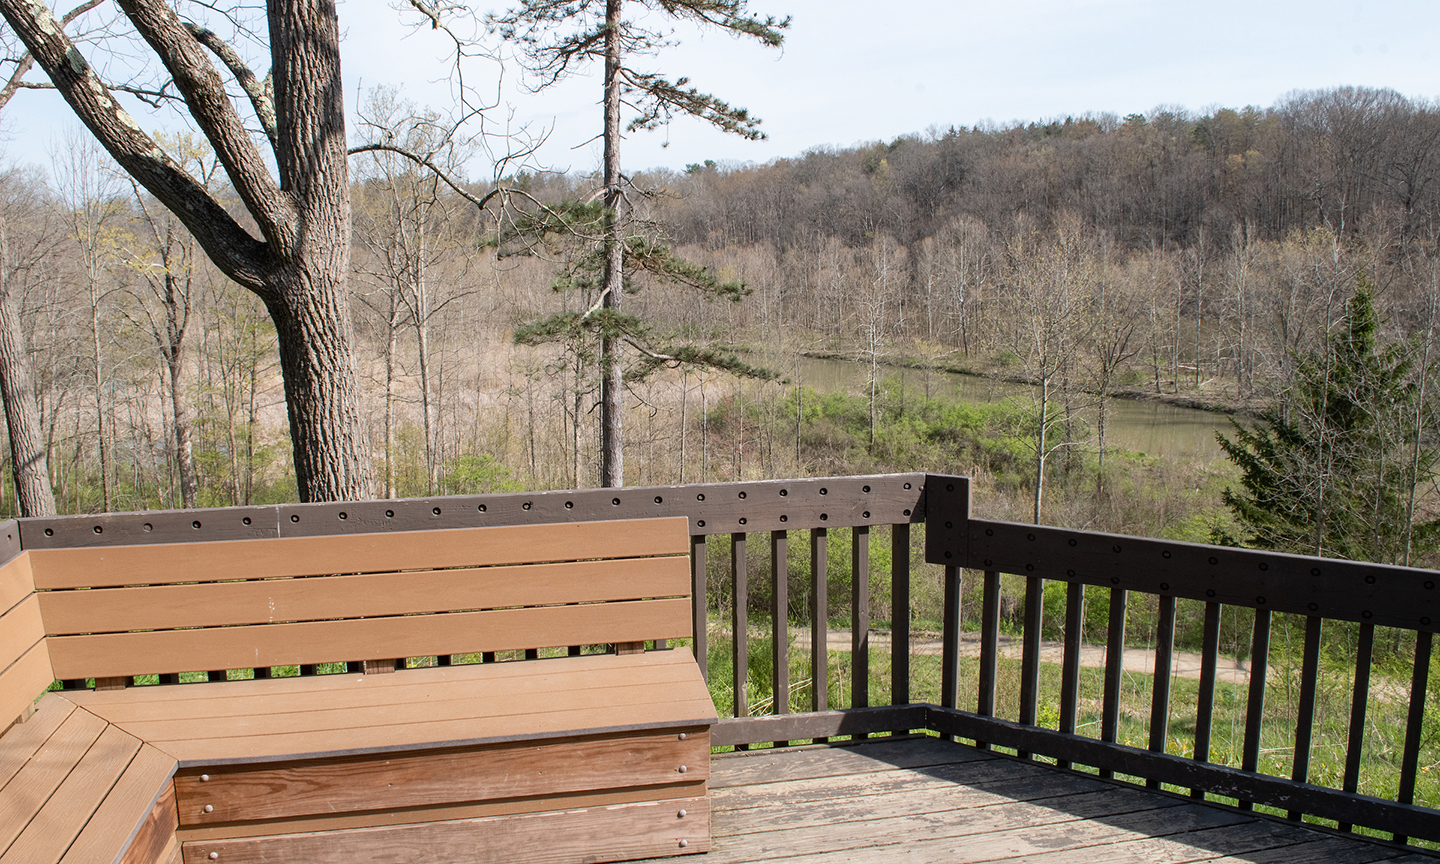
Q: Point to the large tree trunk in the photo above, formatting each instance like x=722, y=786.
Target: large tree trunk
x=22, y=417
x=612, y=372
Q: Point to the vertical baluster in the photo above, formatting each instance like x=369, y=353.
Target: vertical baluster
x=989, y=647
x=1114, y=668
x=1415, y=722
x=819, y=621
x=446, y=659
x=950, y=640
x=216, y=675
x=1160, y=686
x=780, y=629
x=1305, y=711
x=900, y=614
x=698, y=608
x=1205, y=698
x=261, y=673
x=1255, y=707
x=487, y=657
x=1070, y=665
x=1359, y=702
x=1030, y=654
x=860, y=617
x=740, y=641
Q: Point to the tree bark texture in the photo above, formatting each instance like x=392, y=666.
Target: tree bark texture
x=22, y=417
x=300, y=265
x=612, y=372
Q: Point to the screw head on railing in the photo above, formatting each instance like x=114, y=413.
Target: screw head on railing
x=214, y=855
x=684, y=843
x=682, y=736
x=204, y=778
x=209, y=808
x=683, y=769
x=680, y=815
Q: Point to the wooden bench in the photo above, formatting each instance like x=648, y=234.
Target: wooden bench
x=580, y=757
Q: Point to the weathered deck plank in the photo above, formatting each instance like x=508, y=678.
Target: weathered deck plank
x=923, y=800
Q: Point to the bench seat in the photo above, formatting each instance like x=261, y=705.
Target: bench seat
x=402, y=757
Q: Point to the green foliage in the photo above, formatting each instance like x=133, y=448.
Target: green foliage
x=477, y=475
x=1330, y=468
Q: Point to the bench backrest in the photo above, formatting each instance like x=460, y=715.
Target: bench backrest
x=24, y=661
x=135, y=610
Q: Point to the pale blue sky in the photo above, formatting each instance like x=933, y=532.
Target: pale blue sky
x=860, y=71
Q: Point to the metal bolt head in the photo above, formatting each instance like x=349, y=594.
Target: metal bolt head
x=209, y=808
x=682, y=736
x=214, y=855
x=684, y=843
x=681, y=814
x=683, y=769
x=204, y=778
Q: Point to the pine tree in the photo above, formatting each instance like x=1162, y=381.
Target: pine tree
x=1327, y=470
x=557, y=37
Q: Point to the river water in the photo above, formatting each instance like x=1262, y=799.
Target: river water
x=1153, y=428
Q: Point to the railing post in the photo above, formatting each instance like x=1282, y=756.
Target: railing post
x=900, y=614
x=1205, y=698
x=950, y=641
x=1160, y=681
x=1030, y=653
x=1255, y=706
x=740, y=639
x=860, y=617
x=989, y=647
x=698, y=604
x=1305, y=711
x=819, y=621
x=1114, y=669
x=1415, y=722
x=780, y=626
x=1359, y=702
x=1070, y=664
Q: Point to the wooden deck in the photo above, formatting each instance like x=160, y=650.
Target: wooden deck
x=925, y=800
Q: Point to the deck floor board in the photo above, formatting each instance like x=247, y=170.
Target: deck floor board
x=922, y=800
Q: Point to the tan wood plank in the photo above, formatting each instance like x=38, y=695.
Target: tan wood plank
x=771, y=766
x=1001, y=777
x=505, y=681
x=44, y=772
x=23, y=741
x=172, y=854
x=1245, y=839
x=375, y=638
x=137, y=818
x=20, y=629
x=170, y=563
x=386, y=739
x=110, y=610
x=155, y=842
x=24, y=681
x=373, y=818
x=16, y=580
x=630, y=704
x=600, y=834
x=61, y=819
x=236, y=794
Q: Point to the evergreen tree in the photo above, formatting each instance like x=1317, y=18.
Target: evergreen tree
x=1329, y=468
x=556, y=37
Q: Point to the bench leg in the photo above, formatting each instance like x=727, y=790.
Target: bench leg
x=629, y=647
x=111, y=683
x=376, y=667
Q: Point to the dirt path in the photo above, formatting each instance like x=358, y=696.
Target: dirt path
x=1186, y=665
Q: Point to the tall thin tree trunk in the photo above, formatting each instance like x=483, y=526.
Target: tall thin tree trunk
x=612, y=382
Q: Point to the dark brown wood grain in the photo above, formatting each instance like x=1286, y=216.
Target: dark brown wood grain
x=770, y=505
x=491, y=773
x=1325, y=587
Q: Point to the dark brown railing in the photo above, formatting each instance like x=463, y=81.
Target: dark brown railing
x=1320, y=590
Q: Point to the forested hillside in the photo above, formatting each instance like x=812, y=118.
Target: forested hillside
x=1175, y=255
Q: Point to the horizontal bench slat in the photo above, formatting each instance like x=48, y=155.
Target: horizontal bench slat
x=497, y=772
x=141, y=799
x=164, y=651
x=15, y=581
x=171, y=563
x=111, y=610
x=65, y=813
x=38, y=779
x=508, y=686
x=19, y=745
x=441, y=706
x=615, y=833
x=26, y=679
